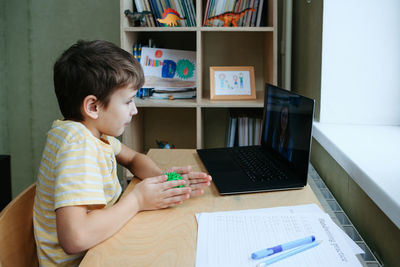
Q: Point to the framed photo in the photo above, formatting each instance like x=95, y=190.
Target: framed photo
x=232, y=83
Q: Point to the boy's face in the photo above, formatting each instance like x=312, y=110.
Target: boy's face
x=118, y=114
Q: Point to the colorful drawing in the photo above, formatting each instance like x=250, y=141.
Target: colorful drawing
x=168, y=67
x=234, y=82
x=183, y=69
x=239, y=83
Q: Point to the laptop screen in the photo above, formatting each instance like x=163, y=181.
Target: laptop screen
x=287, y=127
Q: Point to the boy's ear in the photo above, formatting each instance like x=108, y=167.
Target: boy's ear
x=91, y=107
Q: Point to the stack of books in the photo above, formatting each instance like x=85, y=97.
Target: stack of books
x=185, y=8
x=173, y=93
x=137, y=48
x=255, y=18
x=244, y=128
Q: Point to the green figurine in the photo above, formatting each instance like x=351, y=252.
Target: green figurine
x=174, y=176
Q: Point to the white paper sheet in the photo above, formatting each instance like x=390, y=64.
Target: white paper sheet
x=229, y=238
x=308, y=208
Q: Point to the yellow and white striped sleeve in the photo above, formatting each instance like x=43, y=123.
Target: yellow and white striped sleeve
x=78, y=179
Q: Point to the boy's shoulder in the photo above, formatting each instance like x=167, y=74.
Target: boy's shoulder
x=69, y=131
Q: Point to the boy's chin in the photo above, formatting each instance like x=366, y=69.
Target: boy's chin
x=116, y=133
x=120, y=132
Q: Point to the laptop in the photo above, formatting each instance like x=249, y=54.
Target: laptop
x=280, y=162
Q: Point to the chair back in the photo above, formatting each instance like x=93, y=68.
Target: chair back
x=17, y=241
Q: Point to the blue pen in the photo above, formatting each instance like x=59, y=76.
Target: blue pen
x=289, y=253
x=269, y=251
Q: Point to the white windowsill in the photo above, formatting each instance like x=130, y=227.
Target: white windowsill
x=371, y=156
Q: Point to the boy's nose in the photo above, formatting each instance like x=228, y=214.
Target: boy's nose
x=134, y=110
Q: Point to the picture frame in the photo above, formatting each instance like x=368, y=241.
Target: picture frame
x=232, y=83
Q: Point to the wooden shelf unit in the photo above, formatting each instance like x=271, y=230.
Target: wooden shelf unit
x=186, y=123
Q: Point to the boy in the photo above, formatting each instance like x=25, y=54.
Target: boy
x=76, y=204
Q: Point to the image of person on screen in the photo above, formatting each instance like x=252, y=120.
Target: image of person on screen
x=281, y=140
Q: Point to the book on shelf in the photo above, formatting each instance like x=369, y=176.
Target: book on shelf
x=254, y=14
x=167, y=93
x=137, y=48
x=244, y=127
x=244, y=18
x=185, y=8
x=214, y=8
x=240, y=131
x=173, y=89
x=245, y=131
x=262, y=20
x=260, y=12
x=231, y=131
x=181, y=93
x=144, y=92
x=154, y=11
x=257, y=131
x=251, y=130
x=143, y=5
x=178, y=7
x=152, y=21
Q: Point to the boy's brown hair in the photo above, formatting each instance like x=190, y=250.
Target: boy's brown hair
x=93, y=68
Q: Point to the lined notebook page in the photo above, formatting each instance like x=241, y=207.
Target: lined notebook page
x=228, y=239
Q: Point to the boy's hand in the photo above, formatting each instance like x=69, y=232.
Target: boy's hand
x=195, y=180
x=158, y=193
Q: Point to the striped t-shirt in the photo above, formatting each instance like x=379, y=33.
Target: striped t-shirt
x=76, y=169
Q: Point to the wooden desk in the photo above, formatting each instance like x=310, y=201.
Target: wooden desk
x=168, y=237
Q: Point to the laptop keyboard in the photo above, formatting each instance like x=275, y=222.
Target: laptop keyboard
x=257, y=165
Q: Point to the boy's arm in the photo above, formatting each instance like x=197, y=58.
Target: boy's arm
x=142, y=167
x=139, y=164
x=79, y=229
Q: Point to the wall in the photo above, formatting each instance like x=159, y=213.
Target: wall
x=36, y=33
x=382, y=235
x=306, y=50
x=360, y=62
x=356, y=56
x=3, y=91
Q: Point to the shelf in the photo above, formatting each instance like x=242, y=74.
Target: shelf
x=160, y=29
x=237, y=29
x=205, y=102
x=258, y=103
x=202, y=29
x=161, y=103
x=201, y=122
